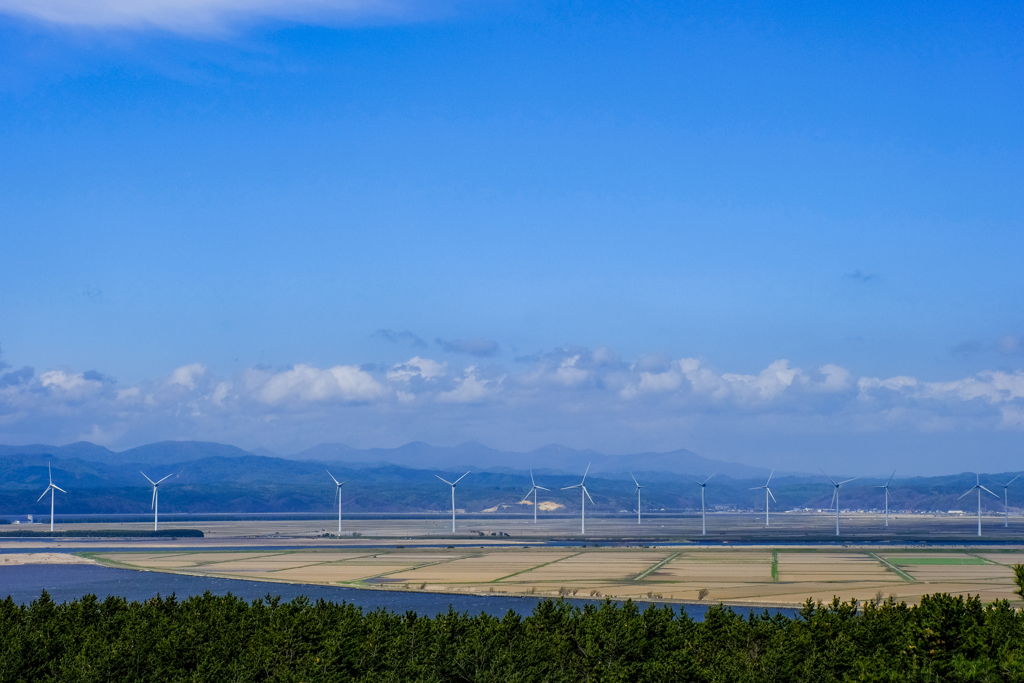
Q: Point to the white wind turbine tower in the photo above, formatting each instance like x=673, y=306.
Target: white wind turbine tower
x=638, y=487
x=534, y=488
x=583, y=496
x=703, y=522
x=979, y=488
x=337, y=495
x=1006, y=502
x=886, y=487
x=767, y=492
x=51, y=489
x=835, y=494
x=155, y=504
x=452, y=484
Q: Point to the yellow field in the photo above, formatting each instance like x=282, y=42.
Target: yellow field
x=746, y=576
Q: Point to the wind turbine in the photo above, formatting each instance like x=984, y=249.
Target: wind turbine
x=835, y=494
x=51, y=489
x=452, y=484
x=702, y=484
x=980, y=488
x=638, y=487
x=886, y=487
x=1006, y=503
x=767, y=492
x=534, y=488
x=583, y=496
x=155, y=504
x=337, y=495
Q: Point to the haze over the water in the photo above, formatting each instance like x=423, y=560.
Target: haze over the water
x=784, y=235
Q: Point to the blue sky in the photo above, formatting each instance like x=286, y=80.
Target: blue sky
x=249, y=195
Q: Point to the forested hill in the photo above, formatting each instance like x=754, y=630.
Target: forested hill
x=242, y=482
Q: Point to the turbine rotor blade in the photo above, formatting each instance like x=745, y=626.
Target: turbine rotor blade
x=586, y=473
x=847, y=481
x=44, y=494
x=566, y=488
x=63, y=491
x=970, y=491
x=709, y=478
x=442, y=479
x=1007, y=484
x=827, y=477
x=532, y=482
x=332, y=476
x=634, y=480
x=770, y=493
x=167, y=477
x=890, y=478
x=770, y=474
x=152, y=503
x=588, y=494
x=541, y=488
x=985, y=489
x=459, y=479
x=147, y=478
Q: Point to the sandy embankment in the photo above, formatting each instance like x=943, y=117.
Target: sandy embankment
x=42, y=558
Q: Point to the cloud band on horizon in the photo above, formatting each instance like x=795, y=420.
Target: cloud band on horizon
x=212, y=16
x=581, y=390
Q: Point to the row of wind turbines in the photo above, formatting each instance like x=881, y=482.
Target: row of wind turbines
x=838, y=484
x=585, y=495
x=53, y=488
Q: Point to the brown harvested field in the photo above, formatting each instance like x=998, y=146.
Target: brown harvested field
x=734, y=576
x=818, y=567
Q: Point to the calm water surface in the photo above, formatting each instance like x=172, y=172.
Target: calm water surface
x=64, y=583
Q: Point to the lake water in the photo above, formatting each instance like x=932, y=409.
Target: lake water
x=24, y=583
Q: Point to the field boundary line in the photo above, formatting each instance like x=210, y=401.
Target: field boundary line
x=321, y=564
x=986, y=560
x=657, y=566
x=899, y=572
x=538, y=566
x=461, y=556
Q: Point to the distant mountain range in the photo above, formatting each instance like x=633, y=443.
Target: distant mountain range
x=418, y=455
x=212, y=477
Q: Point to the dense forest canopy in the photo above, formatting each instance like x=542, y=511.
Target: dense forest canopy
x=219, y=639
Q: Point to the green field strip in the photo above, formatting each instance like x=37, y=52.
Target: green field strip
x=530, y=569
x=775, y=566
x=657, y=566
x=899, y=572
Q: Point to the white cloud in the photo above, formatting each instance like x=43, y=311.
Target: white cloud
x=221, y=392
x=207, y=16
x=308, y=383
x=417, y=367
x=129, y=395
x=186, y=375
x=568, y=374
x=469, y=389
x=68, y=382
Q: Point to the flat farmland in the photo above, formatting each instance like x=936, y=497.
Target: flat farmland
x=740, y=576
